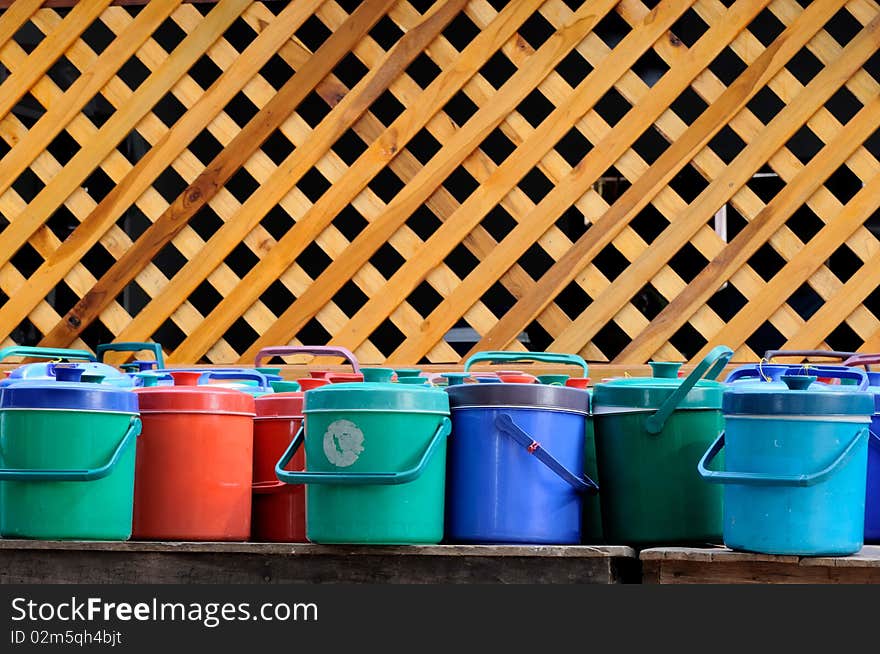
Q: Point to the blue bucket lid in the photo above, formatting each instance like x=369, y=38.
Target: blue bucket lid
x=801, y=395
x=525, y=396
x=376, y=396
x=78, y=396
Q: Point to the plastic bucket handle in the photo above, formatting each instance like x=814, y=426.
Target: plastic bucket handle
x=155, y=348
x=862, y=360
x=237, y=374
x=544, y=357
x=828, y=354
x=832, y=372
x=90, y=474
x=267, y=487
x=45, y=353
x=317, y=350
x=505, y=424
x=761, y=479
x=710, y=367
x=358, y=478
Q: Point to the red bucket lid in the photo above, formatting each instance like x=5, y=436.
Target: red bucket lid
x=186, y=397
x=280, y=405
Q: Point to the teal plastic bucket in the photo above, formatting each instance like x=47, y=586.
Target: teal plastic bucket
x=795, y=467
x=375, y=463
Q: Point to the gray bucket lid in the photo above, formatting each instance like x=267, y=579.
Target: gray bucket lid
x=525, y=396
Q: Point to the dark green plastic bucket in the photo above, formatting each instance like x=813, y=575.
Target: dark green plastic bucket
x=376, y=463
x=67, y=455
x=650, y=434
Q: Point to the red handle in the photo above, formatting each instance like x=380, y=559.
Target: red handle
x=266, y=487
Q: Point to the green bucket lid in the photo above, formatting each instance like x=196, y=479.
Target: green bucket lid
x=376, y=396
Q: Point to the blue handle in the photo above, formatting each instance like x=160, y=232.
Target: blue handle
x=761, y=479
x=155, y=348
x=235, y=374
x=45, y=353
x=832, y=372
x=358, y=478
x=505, y=424
x=760, y=371
x=710, y=367
x=90, y=474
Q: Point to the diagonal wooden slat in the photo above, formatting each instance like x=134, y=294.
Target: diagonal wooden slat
x=368, y=164
x=755, y=234
x=160, y=156
x=669, y=163
x=494, y=188
x=48, y=52
x=608, y=149
x=218, y=172
x=777, y=132
x=17, y=15
x=301, y=160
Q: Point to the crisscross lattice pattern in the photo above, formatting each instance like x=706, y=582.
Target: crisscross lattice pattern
x=417, y=180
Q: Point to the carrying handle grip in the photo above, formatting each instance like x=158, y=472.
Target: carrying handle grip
x=763, y=479
x=46, y=353
x=544, y=357
x=710, y=368
x=359, y=478
x=89, y=474
x=862, y=360
x=155, y=348
x=235, y=374
x=832, y=372
x=505, y=424
x=763, y=372
x=317, y=350
x=829, y=354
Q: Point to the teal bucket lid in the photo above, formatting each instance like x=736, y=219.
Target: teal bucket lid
x=376, y=396
x=799, y=395
x=652, y=392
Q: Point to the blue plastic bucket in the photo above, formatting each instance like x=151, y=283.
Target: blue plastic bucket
x=872, y=483
x=795, y=464
x=516, y=461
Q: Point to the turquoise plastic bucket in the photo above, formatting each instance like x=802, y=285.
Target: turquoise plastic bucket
x=796, y=461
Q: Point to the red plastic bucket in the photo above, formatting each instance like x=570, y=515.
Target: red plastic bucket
x=194, y=465
x=279, y=509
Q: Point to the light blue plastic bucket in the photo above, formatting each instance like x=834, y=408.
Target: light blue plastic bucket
x=796, y=461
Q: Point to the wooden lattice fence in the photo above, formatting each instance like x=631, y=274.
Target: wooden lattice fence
x=624, y=179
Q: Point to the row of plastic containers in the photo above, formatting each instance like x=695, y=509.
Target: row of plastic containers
x=774, y=459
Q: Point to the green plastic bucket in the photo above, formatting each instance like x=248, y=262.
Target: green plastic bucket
x=650, y=434
x=376, y=463
x=67, y=456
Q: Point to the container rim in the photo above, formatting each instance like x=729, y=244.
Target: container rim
x=521, y=406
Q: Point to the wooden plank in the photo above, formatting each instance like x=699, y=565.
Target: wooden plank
x=661, y=172
x=751, y=238
x=340, y=119
x=499, y=183
x=10, y=4
x=48, y=51
x=134, y=562
x=90, y=81
x=163, y=152
x=118, y=126
x=18, y=14
x=378, y=153
x=218, y=172
x=609, y=148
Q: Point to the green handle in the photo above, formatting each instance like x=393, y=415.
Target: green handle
x=761, y=479
x=155, y=348
x=46, y=353
x=711, y=367
x=544, y=357
x=90, y=474
x=359, y=478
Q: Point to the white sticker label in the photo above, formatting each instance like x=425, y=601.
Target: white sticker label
x=343, y=443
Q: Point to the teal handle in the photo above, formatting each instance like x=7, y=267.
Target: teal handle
x=46, y=353
x=90, y=474
x=359, y=478
x=544, y=357
x=710, y=367
x=155, y=348
x=760, y=479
